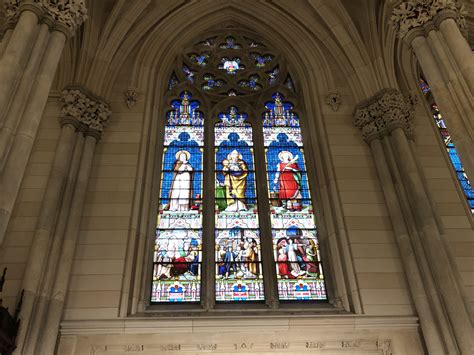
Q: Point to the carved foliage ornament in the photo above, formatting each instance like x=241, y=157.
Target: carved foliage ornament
x=415, y=13
x=385, y=111
x=71, y=13
x=84, y=109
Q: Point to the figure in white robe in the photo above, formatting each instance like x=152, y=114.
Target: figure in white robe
x=181, y=194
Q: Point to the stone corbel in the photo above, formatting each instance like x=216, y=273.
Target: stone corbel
x=333, y=99
x=87, y=112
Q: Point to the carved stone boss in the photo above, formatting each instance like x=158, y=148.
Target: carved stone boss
x=386, y=111
x=83, y=110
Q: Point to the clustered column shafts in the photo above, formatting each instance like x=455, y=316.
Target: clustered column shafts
x=29, y=56
x=433, y=29
x=386, y=122
x=47, y=274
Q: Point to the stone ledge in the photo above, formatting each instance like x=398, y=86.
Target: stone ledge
x=249, y=323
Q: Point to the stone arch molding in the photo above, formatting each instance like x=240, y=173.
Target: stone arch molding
x=305, y=54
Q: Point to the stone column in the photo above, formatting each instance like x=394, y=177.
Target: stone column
x=447, y=23
x=392, y=114
x=55, y=309
x=62, y=18
x=374, y=127
x=446, y=63
x=16, y=50
x=82, y=113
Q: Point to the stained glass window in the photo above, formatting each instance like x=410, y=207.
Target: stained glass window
x=295, y=236
x=242, y=241
x=178, y=243
x=450, y=148
x=238, y=253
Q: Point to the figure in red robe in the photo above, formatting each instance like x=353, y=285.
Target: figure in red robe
x=288, y=179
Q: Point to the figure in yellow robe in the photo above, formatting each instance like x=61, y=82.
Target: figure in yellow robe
x=235, y=181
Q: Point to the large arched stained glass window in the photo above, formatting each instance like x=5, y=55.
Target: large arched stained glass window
x=178, y=245
x=228, y=248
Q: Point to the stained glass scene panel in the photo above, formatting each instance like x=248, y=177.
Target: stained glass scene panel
x=238, y=260
x=295, y=242
x=178, y=243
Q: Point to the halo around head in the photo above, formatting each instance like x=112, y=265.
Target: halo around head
x=232, y=152
x=185, y=152
x=284, y=153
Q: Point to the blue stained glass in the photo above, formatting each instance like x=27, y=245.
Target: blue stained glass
x=199, y=59
x=261, y=60
x=230, y=43
x=210, y=82
x=188, y=73
x=238, y=257
x=178, y=245
x=252, y=83
x=295, y=243
x=451, y=149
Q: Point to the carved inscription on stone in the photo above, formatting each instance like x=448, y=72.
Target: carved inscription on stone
x=207, y=347
x=279, y=345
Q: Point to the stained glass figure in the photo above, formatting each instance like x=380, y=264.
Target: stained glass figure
x=238, y=257
x=211, y=83
x=173, y=81
x=261, y=60
x=450, y=148
x=231, y=66
x=188, y=73
x=199, y=59
x=178, y=243
x=273, y=75
x=295, y=241
x=251, y=83
x=230, y=44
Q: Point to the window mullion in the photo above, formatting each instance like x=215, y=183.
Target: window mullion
x=208, y=265
x=268, y=265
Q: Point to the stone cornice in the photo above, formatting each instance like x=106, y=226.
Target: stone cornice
x=65, y=15
x=385, y=111
x=87, y=112
x=425, y=14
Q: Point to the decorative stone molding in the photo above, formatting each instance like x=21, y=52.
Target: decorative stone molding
x=333, y=99
x=68, y=14
x=415, y=14
x=131, y=97
x=84, y=110
x=387, y=110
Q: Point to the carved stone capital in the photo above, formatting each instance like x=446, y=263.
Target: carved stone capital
x=62, y=15
x=414, y=14
x=85, y=111
x=387, y=110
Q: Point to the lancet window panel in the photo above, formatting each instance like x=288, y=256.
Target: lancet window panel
x=178, y=244
x=238, y=252
x=448, y=142
x=295, y=241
